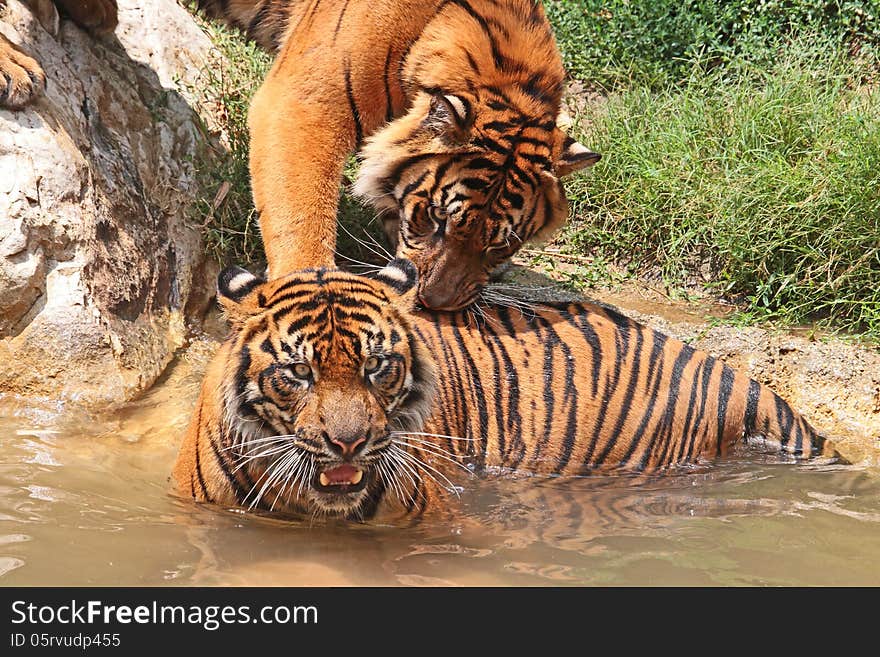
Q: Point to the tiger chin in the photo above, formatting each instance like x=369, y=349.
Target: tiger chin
x=333, y=397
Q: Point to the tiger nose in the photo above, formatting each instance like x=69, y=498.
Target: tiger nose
x=347, y=446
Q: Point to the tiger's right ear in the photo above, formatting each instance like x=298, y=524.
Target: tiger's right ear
x=401, y=276
x=237, y=294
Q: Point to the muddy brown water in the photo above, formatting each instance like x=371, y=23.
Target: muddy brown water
x=85, y=500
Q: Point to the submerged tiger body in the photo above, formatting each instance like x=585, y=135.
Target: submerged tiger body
x=455, y=102
x=332, y=397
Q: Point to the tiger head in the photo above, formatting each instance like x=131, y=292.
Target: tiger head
x=322, y=369
x=464, y=180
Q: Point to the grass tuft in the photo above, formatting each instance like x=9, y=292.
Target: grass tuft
x=614, y=44
x=224, y=89
x=764, y=184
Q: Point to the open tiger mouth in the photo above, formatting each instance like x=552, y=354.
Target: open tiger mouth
x=345, y=478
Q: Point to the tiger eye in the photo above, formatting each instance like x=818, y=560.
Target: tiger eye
x=371, y=364
x=302, y=370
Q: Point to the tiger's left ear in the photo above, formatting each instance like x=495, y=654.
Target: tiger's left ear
x=237, y=294
x=574, y=157
x=401, y=276
x=449, y=115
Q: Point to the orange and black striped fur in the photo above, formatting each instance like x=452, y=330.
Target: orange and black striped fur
x=21, y=77
x=456, y=101
x=331, y=397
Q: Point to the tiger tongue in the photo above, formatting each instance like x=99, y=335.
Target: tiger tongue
x=341, y=474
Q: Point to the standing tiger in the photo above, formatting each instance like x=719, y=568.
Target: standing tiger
x=459, y=100
x=21, y=77
x=331, y=396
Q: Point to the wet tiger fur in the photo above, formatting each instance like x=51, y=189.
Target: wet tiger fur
x=457, y=101
x=331, y=397
x=21, y=77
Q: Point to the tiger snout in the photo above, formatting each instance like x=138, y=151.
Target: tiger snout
x=348, y=423
x=346, y=446
x=452, y=281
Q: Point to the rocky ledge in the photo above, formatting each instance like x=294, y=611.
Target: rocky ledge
x=99, y=270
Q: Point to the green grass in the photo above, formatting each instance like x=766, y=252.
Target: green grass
x=768, y=182
x=225, y=87
x=614, y=44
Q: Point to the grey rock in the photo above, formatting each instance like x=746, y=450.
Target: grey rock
x=99, y=270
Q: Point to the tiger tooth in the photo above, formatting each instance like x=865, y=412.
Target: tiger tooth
x=357, y=477
x=325, y=480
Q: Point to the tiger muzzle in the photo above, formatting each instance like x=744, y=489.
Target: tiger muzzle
x=451, y=283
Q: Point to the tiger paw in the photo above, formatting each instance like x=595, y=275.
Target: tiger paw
x=21, y=77
x=97, y=16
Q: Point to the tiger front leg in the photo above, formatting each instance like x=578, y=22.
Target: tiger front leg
x=300, y=136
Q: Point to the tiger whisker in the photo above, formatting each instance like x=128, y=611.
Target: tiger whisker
x=297, y=479
x=439, y=456
x=364, y=270
x=290, y=461
x=502, y=286
x=268, y=477
x=309, y=473
x=375, y=242
x=398, y=464
x=486, y=317
x=356, y=261
x=505, y=299
x=431, y=435
x=470, y=314
x=244, y=459
x=274, y=473
x=386, y=470
x=362, y=242
x=426, y=468
x=427, y=443
x=267, y=440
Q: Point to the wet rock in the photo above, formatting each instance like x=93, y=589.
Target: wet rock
x=99, y=271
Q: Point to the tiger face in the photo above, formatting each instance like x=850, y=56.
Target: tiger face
x=465, y=181
x=326, y=369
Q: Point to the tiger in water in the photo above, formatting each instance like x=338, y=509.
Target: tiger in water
x=333, y=396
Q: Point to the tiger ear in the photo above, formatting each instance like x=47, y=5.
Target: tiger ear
x=450, y=115
x=401, y=276
x=574, y=157
x=237, y=294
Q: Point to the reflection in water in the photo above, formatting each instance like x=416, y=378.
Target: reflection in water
x=85, y=501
